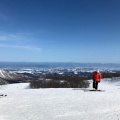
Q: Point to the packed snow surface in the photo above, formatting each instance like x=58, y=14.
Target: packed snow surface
x=22, y=103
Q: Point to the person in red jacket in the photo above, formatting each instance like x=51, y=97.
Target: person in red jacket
x=96, y=79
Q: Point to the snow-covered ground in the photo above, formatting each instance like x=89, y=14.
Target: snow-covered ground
x=60, y=104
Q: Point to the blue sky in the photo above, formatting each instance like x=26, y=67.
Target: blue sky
x=86, y=31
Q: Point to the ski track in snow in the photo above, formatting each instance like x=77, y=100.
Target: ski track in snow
x=59, y=104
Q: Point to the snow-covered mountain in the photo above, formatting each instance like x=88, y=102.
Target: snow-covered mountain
x=7, y=76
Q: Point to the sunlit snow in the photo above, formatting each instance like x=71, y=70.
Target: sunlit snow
x=22, y=103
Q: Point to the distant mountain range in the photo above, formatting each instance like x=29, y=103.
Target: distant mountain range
x=56, y=64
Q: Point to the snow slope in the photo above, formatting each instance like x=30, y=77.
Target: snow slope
x=60, y=104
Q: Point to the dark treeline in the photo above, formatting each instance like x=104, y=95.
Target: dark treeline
x=58, y=81
x=110, y=75
x=66, y=81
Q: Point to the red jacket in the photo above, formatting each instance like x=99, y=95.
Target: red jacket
x=97, y=76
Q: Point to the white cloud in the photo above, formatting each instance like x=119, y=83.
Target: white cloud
x=18, y=41
x=2, y=38
x=25, y=47
x=11, y=37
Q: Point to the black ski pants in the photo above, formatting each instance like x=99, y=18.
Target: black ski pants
x=95, y=84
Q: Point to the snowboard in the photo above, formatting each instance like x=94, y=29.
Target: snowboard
x=91, y=90
x=97, y=90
